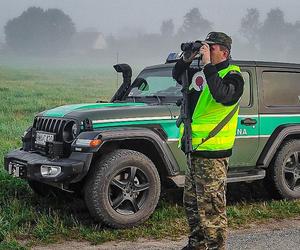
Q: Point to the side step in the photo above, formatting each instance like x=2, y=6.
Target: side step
x=246, y=175
x=233, y=176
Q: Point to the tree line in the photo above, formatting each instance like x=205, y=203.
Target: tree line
x=38, y=31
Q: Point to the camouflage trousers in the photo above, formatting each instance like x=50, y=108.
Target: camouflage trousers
x=205, y=202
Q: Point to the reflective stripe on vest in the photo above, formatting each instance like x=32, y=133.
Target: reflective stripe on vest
x=207, y=115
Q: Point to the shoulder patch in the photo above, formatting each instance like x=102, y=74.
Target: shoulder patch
x=198, y=81
x=234, y=72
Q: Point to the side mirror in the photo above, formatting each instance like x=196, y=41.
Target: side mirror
x=141, y=84
x=144, y=87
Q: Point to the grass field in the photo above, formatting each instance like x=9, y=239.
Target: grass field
x=26, y=220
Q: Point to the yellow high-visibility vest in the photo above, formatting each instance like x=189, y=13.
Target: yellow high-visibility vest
x=207, y=115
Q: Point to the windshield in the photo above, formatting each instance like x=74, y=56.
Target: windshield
x=156, y=82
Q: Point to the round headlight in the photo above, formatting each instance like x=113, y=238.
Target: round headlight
x=68, y=131
x=74, y=130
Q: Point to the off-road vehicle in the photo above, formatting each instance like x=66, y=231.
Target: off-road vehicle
x=118, y=155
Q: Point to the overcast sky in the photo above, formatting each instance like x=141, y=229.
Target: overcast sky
x=128, y=16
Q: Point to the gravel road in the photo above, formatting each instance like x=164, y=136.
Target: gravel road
x=275, y=235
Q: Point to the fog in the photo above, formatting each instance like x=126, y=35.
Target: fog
x=144, y=32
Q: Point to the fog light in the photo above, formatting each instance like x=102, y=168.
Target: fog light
x=50, y=171
x=10, y=167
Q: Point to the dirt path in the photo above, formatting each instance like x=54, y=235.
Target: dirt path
x=272, y=235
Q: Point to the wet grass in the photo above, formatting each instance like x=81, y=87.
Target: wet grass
x=26, y=220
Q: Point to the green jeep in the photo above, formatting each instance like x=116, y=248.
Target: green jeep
x=119, y=155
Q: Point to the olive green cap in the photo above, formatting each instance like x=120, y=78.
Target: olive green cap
x=219, y=38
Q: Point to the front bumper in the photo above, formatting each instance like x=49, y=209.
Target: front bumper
x=27, y=165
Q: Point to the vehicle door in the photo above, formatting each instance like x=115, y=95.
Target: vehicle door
x=247, y=134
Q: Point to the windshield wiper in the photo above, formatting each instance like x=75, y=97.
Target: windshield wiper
x=158, y=97
x=133, y=97
x=155, y=96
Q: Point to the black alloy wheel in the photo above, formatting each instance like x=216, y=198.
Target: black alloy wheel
x=291, y=171
x=122, y=189
x=283, y=179
x=128, y=190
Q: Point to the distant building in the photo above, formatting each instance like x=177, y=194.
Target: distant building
x=85, y=42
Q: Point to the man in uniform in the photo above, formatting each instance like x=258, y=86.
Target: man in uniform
x=211, y=102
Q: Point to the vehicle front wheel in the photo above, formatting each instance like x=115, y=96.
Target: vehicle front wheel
x=284, y=173
x=122, y=189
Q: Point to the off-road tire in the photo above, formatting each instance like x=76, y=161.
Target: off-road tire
x=280, y=175
x=100, y=188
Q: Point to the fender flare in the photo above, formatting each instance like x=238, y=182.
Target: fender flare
x=129, y=133
x=274, y=142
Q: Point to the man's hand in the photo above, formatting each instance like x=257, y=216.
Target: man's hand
x=191, y=57
x=205, y=52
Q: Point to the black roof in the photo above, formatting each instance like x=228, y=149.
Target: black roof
x=241, y=63
x=266, y=64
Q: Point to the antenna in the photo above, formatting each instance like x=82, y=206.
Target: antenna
x=117, y=72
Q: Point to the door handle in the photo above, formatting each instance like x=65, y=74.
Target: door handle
x=248, y=121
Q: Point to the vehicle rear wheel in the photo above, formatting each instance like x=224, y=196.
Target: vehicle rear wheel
x=284, y=173
x=122, y=189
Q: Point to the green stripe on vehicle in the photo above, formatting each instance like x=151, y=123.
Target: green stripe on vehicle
x=64, y=110
x=267, y=124
x=169, y=126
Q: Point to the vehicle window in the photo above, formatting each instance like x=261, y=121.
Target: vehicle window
x=246, y=97
x=281, y=88
x=161, y=83
x=158, y=82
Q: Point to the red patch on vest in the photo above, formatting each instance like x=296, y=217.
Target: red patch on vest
x=199, y=81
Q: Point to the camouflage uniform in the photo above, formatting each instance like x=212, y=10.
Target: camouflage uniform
x=205, y=202
x=204, y=193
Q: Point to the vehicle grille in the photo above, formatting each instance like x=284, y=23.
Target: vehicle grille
x=52, y=125
x=55, y=126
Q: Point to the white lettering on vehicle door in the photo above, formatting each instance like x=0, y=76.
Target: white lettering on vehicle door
x=241, y=131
